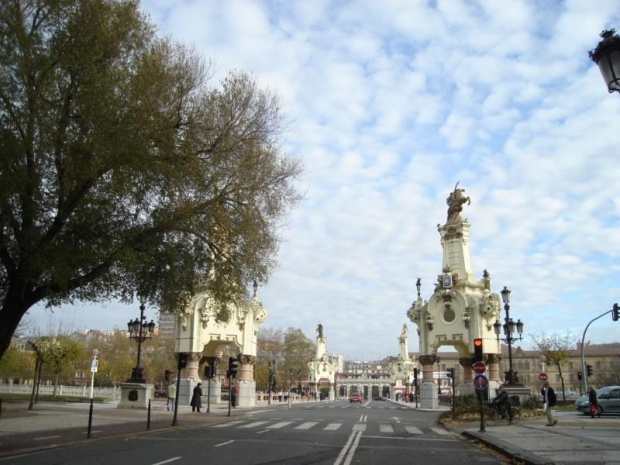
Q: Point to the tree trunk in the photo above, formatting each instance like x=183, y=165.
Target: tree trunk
x=13, y=309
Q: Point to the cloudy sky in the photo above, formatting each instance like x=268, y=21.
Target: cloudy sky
x=390, y=103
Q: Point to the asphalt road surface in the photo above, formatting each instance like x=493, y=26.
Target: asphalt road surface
x=337, y=433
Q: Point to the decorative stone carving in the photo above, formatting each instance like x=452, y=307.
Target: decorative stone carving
x=247, y=359
x=427, y=359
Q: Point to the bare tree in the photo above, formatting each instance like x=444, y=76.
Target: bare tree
x=557, y=350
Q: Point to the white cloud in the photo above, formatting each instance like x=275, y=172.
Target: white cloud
x=390, y=104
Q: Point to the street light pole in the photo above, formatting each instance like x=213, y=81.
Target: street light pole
x=509, y=327
x=139, y=331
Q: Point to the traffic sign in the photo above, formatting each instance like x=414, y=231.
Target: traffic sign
x=479, y=367
x=481, y=382
x=94, y=366
x=542, y=376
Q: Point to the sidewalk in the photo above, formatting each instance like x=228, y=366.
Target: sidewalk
x=52, y=424
x=576, y=439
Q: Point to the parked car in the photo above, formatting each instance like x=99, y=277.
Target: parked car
x=355, y=398
x=608, y=400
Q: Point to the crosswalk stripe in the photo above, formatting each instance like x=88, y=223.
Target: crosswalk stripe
x=307, y=425
x=254, y=424
x=226, y=425
x=413, y=430
x=384, y=428
x=332, y=427
x=279, y=425
x=440, y=431
x=359, y=427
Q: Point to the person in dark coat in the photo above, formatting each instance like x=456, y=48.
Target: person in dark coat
x=196, y=401
x=593, y=401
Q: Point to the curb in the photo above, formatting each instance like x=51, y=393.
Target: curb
x=507, y=449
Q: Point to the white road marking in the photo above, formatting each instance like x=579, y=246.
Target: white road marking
x=413, y=430
x=253, y=425
x=307, y=425
x=355, y=435
x=226, y=425
x=440, y=431
x=384, y=428
x=224, y=443
x=279, y=425
x=359, y=427
x=332, y=427
x=173, y=459
x=46, y=437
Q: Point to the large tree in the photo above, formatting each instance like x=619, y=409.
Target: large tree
x=123, y=173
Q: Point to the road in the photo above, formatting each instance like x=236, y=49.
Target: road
x=337, y=433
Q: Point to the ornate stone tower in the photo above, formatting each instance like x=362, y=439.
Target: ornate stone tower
x=460, y=309
x=321, y=370
x=209, y=341
x=401, y=369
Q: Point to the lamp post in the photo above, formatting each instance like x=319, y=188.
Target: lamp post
x=607, y=56
x=509, y=327
x=139, y=330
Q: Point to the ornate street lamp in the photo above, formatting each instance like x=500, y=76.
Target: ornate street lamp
x=139, y=330
x=607, y=56
x=509, y=328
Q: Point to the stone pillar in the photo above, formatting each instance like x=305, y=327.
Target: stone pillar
x=492, y=361
x=190, y=377
x=246, y=382
x=429, y=397
x=468, y=374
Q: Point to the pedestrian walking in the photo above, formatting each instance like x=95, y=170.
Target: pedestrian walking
x=549, y=399
x=171, y=394
x=196, y=401
x=595, y=410
x=234, y=394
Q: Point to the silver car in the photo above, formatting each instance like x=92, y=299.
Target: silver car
x=608, y=400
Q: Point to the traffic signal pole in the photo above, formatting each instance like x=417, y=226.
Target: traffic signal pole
x=614, y=313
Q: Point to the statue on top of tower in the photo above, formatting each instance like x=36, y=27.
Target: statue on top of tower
x=455, y=202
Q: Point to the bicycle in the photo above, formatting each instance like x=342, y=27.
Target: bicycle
x=493, y=415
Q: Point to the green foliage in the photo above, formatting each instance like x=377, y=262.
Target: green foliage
x=122, y=172
x=17, y=364
x=290, y=349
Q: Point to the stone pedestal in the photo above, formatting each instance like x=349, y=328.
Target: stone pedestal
x=215, y=394
x=135, y=395
x=429, y=397
x=247, y=393
x=186, y=389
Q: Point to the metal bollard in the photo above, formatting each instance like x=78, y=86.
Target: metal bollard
x=148, y=421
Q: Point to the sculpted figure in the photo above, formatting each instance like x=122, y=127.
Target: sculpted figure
x=455, y=202
x=319, y=330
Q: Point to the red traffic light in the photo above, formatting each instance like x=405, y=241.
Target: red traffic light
x=478, y=355
x=579, y=375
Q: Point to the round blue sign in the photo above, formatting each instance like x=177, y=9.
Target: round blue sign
x=481, y=382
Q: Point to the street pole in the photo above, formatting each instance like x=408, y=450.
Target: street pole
x=584, y=374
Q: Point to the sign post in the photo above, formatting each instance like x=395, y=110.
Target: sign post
x=481, y=383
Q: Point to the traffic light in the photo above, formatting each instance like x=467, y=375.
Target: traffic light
x=232, y=367
x=182, y=360
x=451, y=373
x=589, y=370
x=415, y=374
x=579, y=375
x=615, y=312
x=167, y=375
x=478, y=350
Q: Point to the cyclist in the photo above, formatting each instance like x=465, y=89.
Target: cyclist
x=501, y=403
